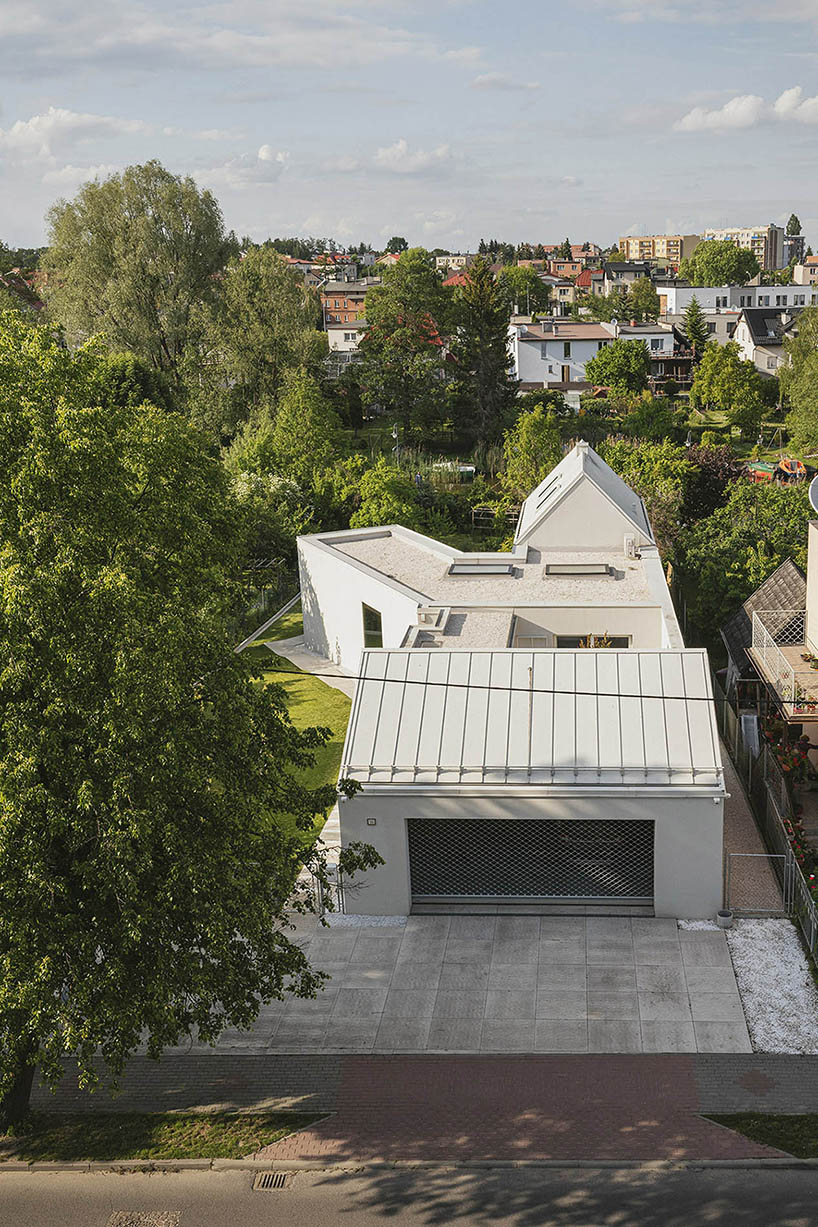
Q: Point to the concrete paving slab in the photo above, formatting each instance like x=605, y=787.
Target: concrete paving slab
x=709, y=980
x=410, y=1003
x=519, y=976
x=510, y=1004
x=561, y=1035
x=562, y=976
x=653, y=979
x=611, y=979
x=663, y=1036
x=716, y=1007
x=672, y=1007
x=561, y=1003
x=459, y=1003
x=607, y=1035
x=454, y=1035
x=500, y=1035
x=614, y=1006
x=402, y=1035
x=722, y=1037
x=455, y=976
x=465, y=950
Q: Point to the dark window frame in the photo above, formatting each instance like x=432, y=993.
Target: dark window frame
x=372, y=632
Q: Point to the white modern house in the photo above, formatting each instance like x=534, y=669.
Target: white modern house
x=528, y=728
x=675, y=299
x=556, y=351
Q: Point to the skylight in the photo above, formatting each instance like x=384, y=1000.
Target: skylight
x=578, y=568
x=481, y=568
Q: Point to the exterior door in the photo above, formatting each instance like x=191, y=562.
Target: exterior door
x=469, y=860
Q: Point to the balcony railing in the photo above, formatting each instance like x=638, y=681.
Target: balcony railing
x=778, y=634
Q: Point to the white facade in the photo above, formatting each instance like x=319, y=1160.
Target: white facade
x=674, y=300
x=556, y=352
x=549, y=686
x=345, y=338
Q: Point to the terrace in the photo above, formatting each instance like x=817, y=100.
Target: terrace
x=778, y=651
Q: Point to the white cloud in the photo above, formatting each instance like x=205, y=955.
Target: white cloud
x=749, y=111
x=246, y=170
x=72, y=177
x=44, y=136
x=399, y=159
x=709, y=12
x=499, y=81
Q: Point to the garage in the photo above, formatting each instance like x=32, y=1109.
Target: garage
x=529, y=860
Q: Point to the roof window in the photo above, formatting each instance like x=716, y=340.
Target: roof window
x=481, y=568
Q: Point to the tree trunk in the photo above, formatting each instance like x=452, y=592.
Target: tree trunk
x=14, y=1104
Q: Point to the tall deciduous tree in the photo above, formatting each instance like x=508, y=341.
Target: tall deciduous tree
x=305, y=433
x=484, y=387
x=799, y=382
x=660, y=473
x=131, y=257
x=396, y=245
x=725, y=379
x=263, y=322
x=623, y=366
x=695, y=326
x=408, y=317
x=525, y=290
x=531, y=449
x=719, y=262
x=643, y=301
x=143, y=871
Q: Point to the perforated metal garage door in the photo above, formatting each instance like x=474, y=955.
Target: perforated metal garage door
x=475, y=859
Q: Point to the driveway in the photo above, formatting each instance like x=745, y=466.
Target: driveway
x=497, y=984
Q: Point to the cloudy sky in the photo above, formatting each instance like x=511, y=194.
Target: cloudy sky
x=442, y=120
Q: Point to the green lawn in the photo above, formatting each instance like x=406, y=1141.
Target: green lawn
x=59, y=1137
x=797, y=1135
x=311, y=703
x=288, y=627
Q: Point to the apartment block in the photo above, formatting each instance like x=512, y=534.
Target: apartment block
x=671, y=247
x=765, y=242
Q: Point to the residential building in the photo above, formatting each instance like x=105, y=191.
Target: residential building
x=671, y=247
x=565, y=268
x=342, y=302
x=806, y=273
x=344, y=346
x=794, y=248
x=587, y=254
x=621, y=274
x=456, y=262
x=554, y=351
x=590, y=281
x=562, y=296
x=721, y=324
x=388, y=257
x=765, y=242
x=528, y=729
x=781, y=593
x=761, y=332
x=674, y=299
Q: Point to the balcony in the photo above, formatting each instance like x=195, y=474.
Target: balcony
x=777, y=650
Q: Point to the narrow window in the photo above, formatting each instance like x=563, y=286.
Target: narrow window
x=566, y=349
x=373, y=629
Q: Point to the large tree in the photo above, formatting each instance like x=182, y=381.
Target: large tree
x=408, y=317
x=305, y=433
x=525, y=289
x=723, y=378
x=131, y=257
x=263, y=322
x=144, y=870
x=660, y=473
x=623, y=366
x=719, y=262
x=695, y=326
x=531, y=449
x=484, y=386
x=799, y=382
x=643, y=301
x=793, y=225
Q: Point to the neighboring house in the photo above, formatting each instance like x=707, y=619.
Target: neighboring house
x=528, y=729
x=389, y=257
x=794, y=248
x=781, y=593
x=621, y=274
x=760, y=334
x=343, y=302
x=806, y=273
x=721, y=324
x=671, y=247
x=584, y=253
x=553, y=351
x=565, y=268
x=674, y=299
x=765, y=242
x=590, y=281
x=563, y=294
x=456, y=263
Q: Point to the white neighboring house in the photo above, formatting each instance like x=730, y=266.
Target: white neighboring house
x=556, y=351
x=675, y=299
x=528, y=728
x=760, y=334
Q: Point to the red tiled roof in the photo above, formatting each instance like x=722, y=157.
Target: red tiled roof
x=457, y=279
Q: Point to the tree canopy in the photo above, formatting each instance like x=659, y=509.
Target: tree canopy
x=531, y=449
x=799, y=380
x=484, y=388
x=793, y=225
x=725, y=379
x=623, y=366
x=719, y=262
x=525, y=290
x=144, y=871
x=695, y=326
x=133, y=257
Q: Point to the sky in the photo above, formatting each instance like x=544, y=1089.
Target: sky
x=440, y=120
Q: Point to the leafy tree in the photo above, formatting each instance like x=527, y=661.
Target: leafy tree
x=719, y=262
x=305, y=433
x=793, y=225
x=799, y=382
x=408, y=316
x=695, y=326
x=724, y=379
x=716, y=470
x=263, y=323
x=729, y=554
x=531, y=449
x=132, y=257
x=299, y=249
x=563, y=252
x=623, y=366
x=525, y=290
x=396, y=245
x=143, y=870
x=484, y=386
x=126, y=381
x=20, y=257
x=607, y=307
x=660, y=473
x=643, y=301
x=388, y=495
x=650, y=417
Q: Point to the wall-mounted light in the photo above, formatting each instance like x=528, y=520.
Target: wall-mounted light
x=371, y=822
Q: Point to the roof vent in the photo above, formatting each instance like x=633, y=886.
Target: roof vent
x=569, y=569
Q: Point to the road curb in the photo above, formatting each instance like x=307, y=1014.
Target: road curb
x=267, y=1165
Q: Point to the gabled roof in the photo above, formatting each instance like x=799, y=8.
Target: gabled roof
x=786, y=588
x=583, y=719
x=768, y=325
x=581, y=464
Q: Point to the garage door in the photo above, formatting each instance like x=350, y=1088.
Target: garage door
x=474, y=859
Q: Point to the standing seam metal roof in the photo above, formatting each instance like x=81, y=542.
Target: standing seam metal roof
x=582, y=717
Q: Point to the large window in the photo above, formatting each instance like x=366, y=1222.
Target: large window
x=373, y=629
x=593, y=641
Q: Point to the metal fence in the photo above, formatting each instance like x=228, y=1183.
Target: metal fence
x=771, y=803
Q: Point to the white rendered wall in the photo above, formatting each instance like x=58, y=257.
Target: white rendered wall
x=642, y=622
x=812, y=586
x=687, y=848
x=333, y=592
x=587, y=520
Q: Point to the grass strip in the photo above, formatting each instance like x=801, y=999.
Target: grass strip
x=796, y=1135
x=61, y=1137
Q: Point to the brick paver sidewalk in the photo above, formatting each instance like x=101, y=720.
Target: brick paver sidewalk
x=504, y=1107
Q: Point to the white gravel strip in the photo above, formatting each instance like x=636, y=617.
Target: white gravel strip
x=778, y=993
x=350, y=920
x=698, y=924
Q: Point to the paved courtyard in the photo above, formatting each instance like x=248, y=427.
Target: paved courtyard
x=502, y=984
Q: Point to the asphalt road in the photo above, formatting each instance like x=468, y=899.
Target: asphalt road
x=437, y=1197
